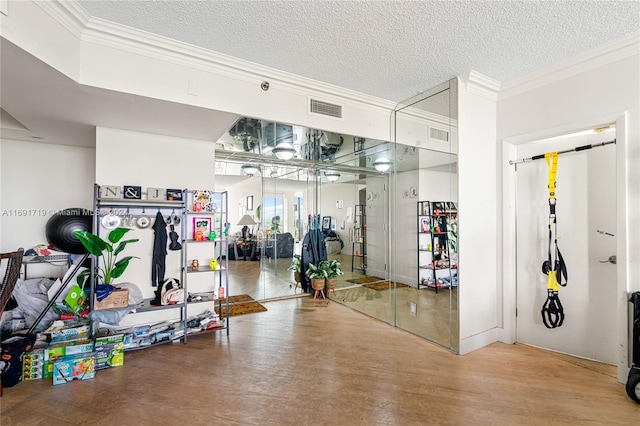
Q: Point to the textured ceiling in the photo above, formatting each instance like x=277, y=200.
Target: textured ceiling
x=388, y=49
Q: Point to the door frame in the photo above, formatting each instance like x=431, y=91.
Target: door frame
x=507, y=288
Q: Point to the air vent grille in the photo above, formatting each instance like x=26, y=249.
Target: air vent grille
x=441, y=135
x=325, y=108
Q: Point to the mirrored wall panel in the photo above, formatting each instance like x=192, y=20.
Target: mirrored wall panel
x=289, y=185
x=425, y=215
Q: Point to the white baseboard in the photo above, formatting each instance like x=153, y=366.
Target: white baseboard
x=477, y=341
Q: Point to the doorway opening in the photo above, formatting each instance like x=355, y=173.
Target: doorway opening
x=586, y=223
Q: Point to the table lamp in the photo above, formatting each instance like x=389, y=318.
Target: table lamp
x=245, y=221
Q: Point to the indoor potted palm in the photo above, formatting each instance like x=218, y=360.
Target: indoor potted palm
x=108, y=266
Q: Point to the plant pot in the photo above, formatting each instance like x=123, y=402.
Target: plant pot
x=317, y=283
x=331, y=284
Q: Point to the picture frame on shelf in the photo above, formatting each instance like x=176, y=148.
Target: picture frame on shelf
x=174, y=194
x=326, y=223
x=425, y=225
x=203, y=201
x=201, y=228
x=425, y=208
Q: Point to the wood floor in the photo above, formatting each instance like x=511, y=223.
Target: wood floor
x=309, y=362
x=435, y=319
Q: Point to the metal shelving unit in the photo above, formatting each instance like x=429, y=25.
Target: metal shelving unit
x=437, y=253
x=179, y=208
x=220, y=217
x=359, y=240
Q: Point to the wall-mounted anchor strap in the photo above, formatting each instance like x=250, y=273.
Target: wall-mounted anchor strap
x=554, y=267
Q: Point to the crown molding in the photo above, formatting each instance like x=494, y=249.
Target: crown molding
x=611, y=52
x=69, y=14
x=481, y=85
x=101, y=32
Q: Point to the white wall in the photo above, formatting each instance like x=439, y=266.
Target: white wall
x=37, y=180
x=133, y=158
x=477, y=220
x=238, y=193
x=595, y=92
x=348, y=194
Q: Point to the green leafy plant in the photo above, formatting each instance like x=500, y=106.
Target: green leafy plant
x=108, y=265
x=296, y=264
x=317, y=272
x=333, y=268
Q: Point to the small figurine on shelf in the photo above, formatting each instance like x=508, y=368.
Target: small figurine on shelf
x=213, y=264
x=226, y=229
x=195, y=264
x=213, y=235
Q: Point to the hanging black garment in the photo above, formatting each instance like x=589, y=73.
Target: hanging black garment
x=314, y=251
x=159, y=251
x=173, y=236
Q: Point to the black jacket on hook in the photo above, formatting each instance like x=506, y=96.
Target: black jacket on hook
x=314, y=250
x=159, y=251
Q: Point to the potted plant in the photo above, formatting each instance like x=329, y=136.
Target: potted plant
x=108, y=267
x=296, y=267
x=317, y=275
x=333, y=270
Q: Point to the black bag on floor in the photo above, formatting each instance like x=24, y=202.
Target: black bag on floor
x=13, y=349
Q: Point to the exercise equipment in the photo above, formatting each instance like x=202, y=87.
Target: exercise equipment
x=633, y=381
x=60, y=228
x=554, y=267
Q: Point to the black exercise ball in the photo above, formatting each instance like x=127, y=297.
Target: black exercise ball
x=60, y=229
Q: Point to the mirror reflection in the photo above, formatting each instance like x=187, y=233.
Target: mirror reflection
x=427, y=208
x=286, y=182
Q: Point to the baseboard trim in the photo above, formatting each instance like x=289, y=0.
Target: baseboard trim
x=477, y=341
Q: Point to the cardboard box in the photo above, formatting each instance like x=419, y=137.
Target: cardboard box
x=69, y=329
x=33, y=365
x=109, y=351
x=75, y=298
x=61, y=350
x=68, y=368
x=118, y=299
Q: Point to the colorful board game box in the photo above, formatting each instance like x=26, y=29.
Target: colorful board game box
x=68, y=368
x=109, y=351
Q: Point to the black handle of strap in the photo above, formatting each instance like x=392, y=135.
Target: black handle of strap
x=552, y=310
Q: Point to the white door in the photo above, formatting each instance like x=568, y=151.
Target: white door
x=586, y=222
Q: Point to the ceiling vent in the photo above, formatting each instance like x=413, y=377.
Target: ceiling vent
x=325, y=108
x=437, y=134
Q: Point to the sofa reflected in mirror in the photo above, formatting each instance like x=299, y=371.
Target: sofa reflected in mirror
x=279, y=246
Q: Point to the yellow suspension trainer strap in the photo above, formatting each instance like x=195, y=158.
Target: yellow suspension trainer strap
x=555, y=269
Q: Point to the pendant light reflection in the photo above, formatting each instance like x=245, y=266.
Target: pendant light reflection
x=331, y=175
x=250, y=169
x=284, y=151
x=382, y=164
